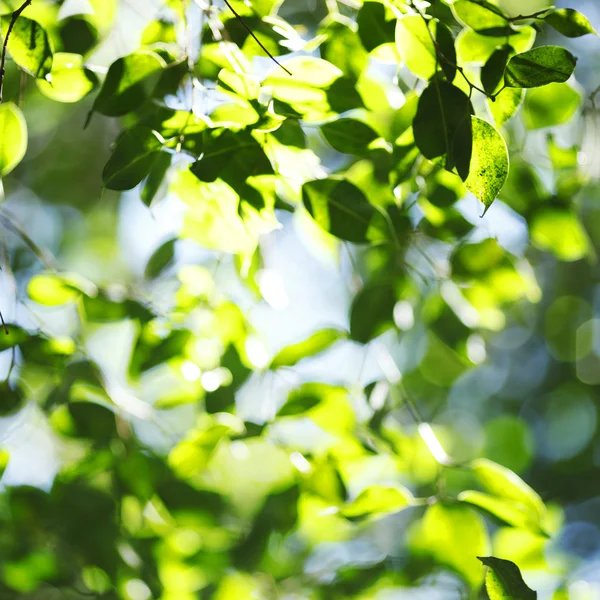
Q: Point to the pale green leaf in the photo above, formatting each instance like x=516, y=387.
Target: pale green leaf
x=316, y=343
x=505, y=104
x=415, y=44
x=69, y=80
x=29, y=46
x=550, y=105
x=377, y=500
x=13, y=137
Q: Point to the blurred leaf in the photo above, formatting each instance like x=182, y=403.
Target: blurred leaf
x=349, y=136
x=29, y=46
x=4, y=458
x=373, y=27
x=51, y=290
x=161, y=259
x=339, y=207
x=540, y=66
x=16, y=335
x=377, y=500
x=155, y=178
x=559, y=231
x=569, y=22
x=504, y=581
x=562, y=158
x=488, y=169
x=13, y=136
x=372, y=311
x=69, y=80
x=123, y=89
x=78, y=34
x=550, y=105
x=316, y=343
x=136, y=150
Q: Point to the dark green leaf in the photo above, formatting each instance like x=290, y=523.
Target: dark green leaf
x=492, y=73
x=349, y=136
x=161, y=258
x=316, y=343
x=16, y=335
x=569, y=22
x=124, y=88
x=373, y=28
x=135, y=153
x=372, y=311
x=155, y=177
x=78, y=34
x=442, y=125
x=339, y=207
x=540, y=66
x=445, y=44
x=504, y=581
x=301, y=400
x=29, y=46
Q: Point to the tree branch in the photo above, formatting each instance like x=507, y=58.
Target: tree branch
x=13, y=20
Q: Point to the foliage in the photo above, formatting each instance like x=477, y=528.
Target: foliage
x=170, y=482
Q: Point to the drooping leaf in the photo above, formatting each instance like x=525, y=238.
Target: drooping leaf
x=415, y=44
x=503, y=580
x=378, y=500
x=492, y=73
x=488, y=169
x=29, y=46
x=316, y=343
x=339, y=207
x=155, y=177
x=135, y=153
x=442, y=125
x=540, y=66
x=349, y=136
x=124, y=89
x=13, y=137
x=69, y=80
x=569, y=22
x=483, y=17
x=550, y=105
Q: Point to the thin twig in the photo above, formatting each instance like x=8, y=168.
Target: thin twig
x=13, y=20
x=249, y=30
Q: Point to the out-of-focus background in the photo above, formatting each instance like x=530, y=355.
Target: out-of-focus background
x=529, y=401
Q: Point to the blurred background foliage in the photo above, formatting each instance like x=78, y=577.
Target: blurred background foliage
x=259, y=347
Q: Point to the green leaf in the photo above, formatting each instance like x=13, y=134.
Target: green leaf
x=13, y=137
x=442, y=125
x=475, y=48
x=483, y=17
x=372, y=311
x=16, y=335
x=344, y=49
x=569, y=22
x=503, y=580
x=492, y=73
x=303, y=399
x=540, y=66
x=124, y=88
x=155, y=178
x=373, y=28
x=550, y=105
x=349, y=136
x=505, y=104
x=503, y=483
x=135, y=153
x=447, y=51
x=29, y=46
x=512, y=513
x=50, y=290
x=437, y=536
x=161, y=259
x=559, y=231
x=339, y=207
x=4, y=458
x=415, y=44
x=488, y=169
x=562, y=158
x=316, y=343
x=378, y=500
x=69, y=80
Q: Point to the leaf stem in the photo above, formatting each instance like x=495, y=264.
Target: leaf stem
x=13, y=20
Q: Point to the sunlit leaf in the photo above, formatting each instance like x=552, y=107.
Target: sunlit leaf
x=155, y=178
x=69, y=80
x=559, y=231
x=503, y=580
x=377, y=500
x=488, y=169
x=550, y=105
x=13, y=137
x=416, y=45
x=569, y=22
x=540, y=66
x=316, y=343
x=505, y=104
x=475, y=48
x=29, y=46
x=483, y=17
